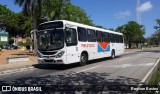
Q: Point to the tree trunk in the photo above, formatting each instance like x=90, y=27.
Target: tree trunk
x=35, y=30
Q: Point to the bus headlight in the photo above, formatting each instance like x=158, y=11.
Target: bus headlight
x=60, y=54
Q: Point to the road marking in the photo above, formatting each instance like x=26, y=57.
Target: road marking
x=147, y=75
x=130, y=65
x=89, y=68
x=16, y=70
x=124, y=58
x=150, y=71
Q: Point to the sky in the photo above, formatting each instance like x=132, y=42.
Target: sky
x=113, y=13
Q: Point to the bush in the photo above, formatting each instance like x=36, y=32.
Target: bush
x=28, y=42
x=21, y=44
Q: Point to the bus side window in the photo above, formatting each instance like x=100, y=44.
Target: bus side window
x=71, y=37
x=106, y=37
x=116, y=38
x=121, y=39
x=91, y=35
x=99, y=36
x=112, y=38
x=82, y=36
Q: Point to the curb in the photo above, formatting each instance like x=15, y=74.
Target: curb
x=16, y=70
x=12, y=66
x=148, y=76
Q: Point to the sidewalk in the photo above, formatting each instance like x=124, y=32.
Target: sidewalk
x=33, y=60
x=131, y=50
x=10, y=66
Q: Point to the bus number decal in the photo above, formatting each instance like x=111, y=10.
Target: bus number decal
x=87, y=45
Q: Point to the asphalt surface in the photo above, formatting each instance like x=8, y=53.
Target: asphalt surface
x=125, y=70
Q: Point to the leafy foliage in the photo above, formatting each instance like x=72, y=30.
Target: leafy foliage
x=155, y=38
x=157, y=27
x=8, y=20
x=64, y=10
x=16, y=24
x=33, y=8
x=133, y=32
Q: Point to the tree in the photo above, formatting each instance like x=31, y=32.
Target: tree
x=56, y=10
x=156, y=35
x=99, y=26
x=76, y=14
x=157, y=27
x=133, y=32
x=120, y=28
x=24, y=25
x=112, y=29
x=8, y=20
x=64, y=10
x=33, y=8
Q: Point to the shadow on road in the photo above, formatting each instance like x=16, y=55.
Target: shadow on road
x=55, y=67
x=153, y=51
x=68, y=66
x=86, y=82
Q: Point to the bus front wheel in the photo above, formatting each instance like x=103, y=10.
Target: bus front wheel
x=83, y=59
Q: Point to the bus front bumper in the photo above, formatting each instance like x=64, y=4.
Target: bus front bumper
x=50, y=61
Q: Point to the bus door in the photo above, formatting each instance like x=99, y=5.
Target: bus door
x=71, y=44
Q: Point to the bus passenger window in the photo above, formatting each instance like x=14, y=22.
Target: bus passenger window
x=105, y=37
x=82, y=34
x=121, y=39
x=71, y=37
x=99, y=36
x=112, y=38
x=91, y=35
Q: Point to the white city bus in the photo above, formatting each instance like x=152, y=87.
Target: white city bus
x=66, y=42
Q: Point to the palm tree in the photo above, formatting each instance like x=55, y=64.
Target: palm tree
x=33, y=8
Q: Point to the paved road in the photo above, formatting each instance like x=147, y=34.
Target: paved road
x=128, y=69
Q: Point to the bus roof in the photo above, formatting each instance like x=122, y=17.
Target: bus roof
x=83, y=25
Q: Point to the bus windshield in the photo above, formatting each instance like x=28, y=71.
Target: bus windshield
x=50, y=39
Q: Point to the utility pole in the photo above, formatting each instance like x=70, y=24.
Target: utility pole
x=138, y=13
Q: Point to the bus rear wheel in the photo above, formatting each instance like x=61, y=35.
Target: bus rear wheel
x=83, y=59
x=113, y=54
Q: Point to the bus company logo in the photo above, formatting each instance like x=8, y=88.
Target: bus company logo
x=87, y=45
x=103, y=46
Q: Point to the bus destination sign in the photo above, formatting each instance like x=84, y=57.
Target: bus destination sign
x=51, y=25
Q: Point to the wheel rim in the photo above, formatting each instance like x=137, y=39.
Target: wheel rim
x=83, y=59
x=113, y=54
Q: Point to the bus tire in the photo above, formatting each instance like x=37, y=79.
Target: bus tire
x=83, y=59
x=112, y=54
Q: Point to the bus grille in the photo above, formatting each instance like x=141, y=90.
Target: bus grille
x=48, y=53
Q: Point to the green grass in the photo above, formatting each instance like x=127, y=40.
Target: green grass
x=155, y=80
